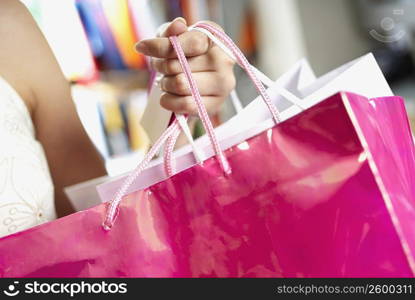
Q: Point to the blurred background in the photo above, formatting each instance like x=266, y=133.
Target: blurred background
x=94, y=40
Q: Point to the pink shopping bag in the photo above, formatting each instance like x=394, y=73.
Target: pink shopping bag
x=327, y=193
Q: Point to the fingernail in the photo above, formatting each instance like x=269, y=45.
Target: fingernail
x=141, y=47
x=181, y=19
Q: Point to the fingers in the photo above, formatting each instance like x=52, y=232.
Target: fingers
x=208, y=83
x=214, y=60
x=193, y=44
x=176, y=27
x=212, y=70
x=186, y=104
x=172, y=66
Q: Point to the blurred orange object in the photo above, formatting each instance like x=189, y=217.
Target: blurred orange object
x=247, y=40
x=61, y=26
x=118, y=17
x=190, y=11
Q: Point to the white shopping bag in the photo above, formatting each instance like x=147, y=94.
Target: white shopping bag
x=362, y=76
x=155, y=118
x=84, y=195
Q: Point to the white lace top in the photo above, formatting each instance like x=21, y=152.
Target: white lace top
x=26, y=189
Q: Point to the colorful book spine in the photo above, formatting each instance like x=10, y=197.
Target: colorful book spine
x=61, y=26
x=107, y=53
x=118, y=17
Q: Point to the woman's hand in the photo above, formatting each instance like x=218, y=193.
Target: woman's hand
x=212, y=69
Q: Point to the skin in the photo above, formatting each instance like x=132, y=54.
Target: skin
x=212, y=69
x=28, y=64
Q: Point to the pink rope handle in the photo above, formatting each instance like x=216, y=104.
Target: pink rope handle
x=243, y=62
x=171, y=131
x=203, y=115
x=114, y=204
x=168, y=152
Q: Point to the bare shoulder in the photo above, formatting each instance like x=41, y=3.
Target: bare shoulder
x=16, y=25
x=7, y=6
x=15, y=20
x=24, y=53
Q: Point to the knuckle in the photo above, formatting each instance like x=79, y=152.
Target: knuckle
x=170, y=66
x=164, y=102
x=198, y=45
x=227, y=61
x=158, y=65
x=228, y=82
x=189, y=106
x=180, y=84
x=221, y=59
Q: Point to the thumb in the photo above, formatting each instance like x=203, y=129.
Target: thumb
x=175, y=27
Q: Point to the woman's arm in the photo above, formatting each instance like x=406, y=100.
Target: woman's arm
x=27, y=62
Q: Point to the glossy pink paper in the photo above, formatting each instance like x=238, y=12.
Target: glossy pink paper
x=327, y=193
